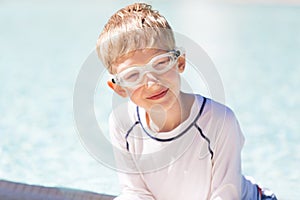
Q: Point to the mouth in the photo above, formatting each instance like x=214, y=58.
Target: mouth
x=158, y=95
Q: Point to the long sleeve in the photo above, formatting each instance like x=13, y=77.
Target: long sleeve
x=226, y=170
x=132, y=184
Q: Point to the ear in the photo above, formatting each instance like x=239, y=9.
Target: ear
x=181, y=63
x=118, y=89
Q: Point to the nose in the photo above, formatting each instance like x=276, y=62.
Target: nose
x=150, y=80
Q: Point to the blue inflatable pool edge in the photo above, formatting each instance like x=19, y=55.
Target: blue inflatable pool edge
x=10, y=190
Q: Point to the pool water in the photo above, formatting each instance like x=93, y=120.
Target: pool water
x=254, y=47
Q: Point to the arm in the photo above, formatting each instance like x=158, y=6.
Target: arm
x=132, y=184
x=226, y=170
x=133, y=188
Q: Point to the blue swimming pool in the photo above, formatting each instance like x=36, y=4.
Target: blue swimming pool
x=254, y=47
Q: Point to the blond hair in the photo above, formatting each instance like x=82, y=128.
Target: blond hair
x=134, y=27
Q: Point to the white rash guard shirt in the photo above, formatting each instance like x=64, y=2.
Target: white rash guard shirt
x=202, y=161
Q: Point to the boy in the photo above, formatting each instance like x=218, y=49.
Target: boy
x=170, y=144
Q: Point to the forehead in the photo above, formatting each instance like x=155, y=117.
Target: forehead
x=138, y=57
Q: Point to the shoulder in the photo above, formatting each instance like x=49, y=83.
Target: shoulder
x=217, y=119
x=215, y=111
x=123, y=115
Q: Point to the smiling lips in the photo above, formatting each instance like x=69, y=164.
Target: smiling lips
x=158, y=95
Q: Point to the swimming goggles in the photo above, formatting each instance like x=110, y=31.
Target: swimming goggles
x=160, y=64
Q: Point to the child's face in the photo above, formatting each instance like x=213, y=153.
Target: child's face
x=154, y=89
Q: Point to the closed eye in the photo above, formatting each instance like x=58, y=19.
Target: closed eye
x=132, y=76
x=161, y=64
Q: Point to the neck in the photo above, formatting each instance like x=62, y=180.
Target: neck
x=168, y=119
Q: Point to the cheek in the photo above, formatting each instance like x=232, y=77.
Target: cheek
x=173, y=73
x=172, y=77
x=135, y=95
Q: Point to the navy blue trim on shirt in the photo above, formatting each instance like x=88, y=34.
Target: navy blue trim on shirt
x=128, y=132
x=208, y=141
x=194, y=123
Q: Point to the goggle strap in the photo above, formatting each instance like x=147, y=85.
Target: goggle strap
x=177, y=53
